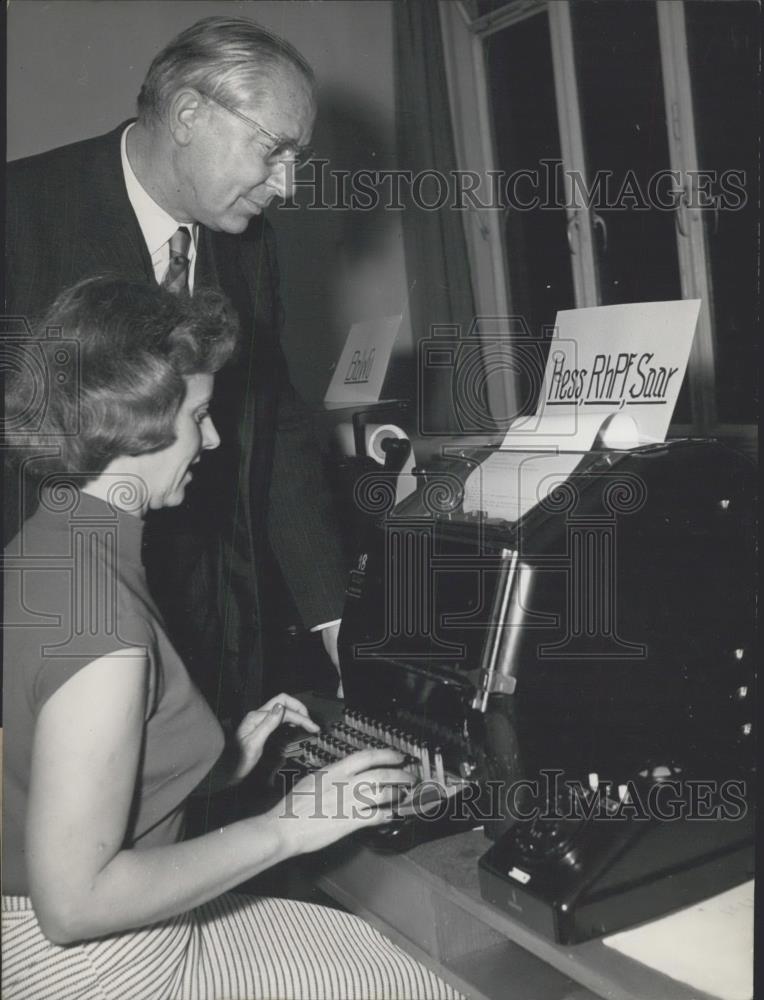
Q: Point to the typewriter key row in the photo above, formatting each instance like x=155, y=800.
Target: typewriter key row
x=362, y=732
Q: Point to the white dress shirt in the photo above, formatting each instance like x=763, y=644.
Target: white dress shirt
x=156, y=225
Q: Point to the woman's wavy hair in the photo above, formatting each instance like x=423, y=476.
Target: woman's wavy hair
x=107, y=368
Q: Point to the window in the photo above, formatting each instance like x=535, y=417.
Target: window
x=521, y=82
x=641, y=123
x=723, y=51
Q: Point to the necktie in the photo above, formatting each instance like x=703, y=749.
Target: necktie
x=176, y=276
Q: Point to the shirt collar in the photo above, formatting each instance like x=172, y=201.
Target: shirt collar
x=156, y=225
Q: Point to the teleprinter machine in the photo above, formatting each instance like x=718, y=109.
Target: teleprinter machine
x=579, y=680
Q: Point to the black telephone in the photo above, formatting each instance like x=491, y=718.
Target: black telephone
x=589, y=864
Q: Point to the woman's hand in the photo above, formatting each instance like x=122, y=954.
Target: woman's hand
x=255, y=728
x=354, y=793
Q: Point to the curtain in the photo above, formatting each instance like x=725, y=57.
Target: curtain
x=435, y=249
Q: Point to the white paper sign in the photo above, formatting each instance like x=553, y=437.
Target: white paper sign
x=613, y=372
x=363, y=363
x=610, y=359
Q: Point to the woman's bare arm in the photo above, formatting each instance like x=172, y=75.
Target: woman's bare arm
x=87, y=747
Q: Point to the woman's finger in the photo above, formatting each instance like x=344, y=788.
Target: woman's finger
x=275, y=717
x=364, y=760
x=381, y=815
x=298, y=719
x=289, y=701
x=386, y=776
x=260, y=724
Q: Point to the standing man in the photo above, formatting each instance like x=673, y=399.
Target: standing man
x=177, y=197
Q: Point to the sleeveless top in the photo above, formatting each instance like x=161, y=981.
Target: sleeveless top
x=75, y=590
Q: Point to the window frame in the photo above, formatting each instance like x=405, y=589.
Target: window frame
x=463, y=38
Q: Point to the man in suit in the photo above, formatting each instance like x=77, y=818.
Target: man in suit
x=177, y=197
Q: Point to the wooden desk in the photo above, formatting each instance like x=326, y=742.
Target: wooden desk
x=428, y=902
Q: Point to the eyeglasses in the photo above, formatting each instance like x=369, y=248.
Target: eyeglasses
x=282, y=150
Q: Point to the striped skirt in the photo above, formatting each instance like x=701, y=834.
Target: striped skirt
x=235, y=947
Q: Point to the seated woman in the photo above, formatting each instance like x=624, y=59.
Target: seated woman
x=106, y=737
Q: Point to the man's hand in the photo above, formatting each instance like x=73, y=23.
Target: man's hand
x=329, y=635
x=255, y=728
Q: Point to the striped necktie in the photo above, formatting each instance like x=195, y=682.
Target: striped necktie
x=176, y=276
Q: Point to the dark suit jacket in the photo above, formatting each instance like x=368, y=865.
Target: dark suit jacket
x=263, y=491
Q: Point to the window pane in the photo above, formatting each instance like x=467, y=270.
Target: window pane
x=723, y=44
x=624, y=123
x=527, y=142
x=623, y=118
x=477, y=8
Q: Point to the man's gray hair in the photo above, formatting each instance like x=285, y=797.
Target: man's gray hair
x=226, y=57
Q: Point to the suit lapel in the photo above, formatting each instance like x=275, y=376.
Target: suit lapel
x=206, y=274
x=218, y=266
x=111, y=239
